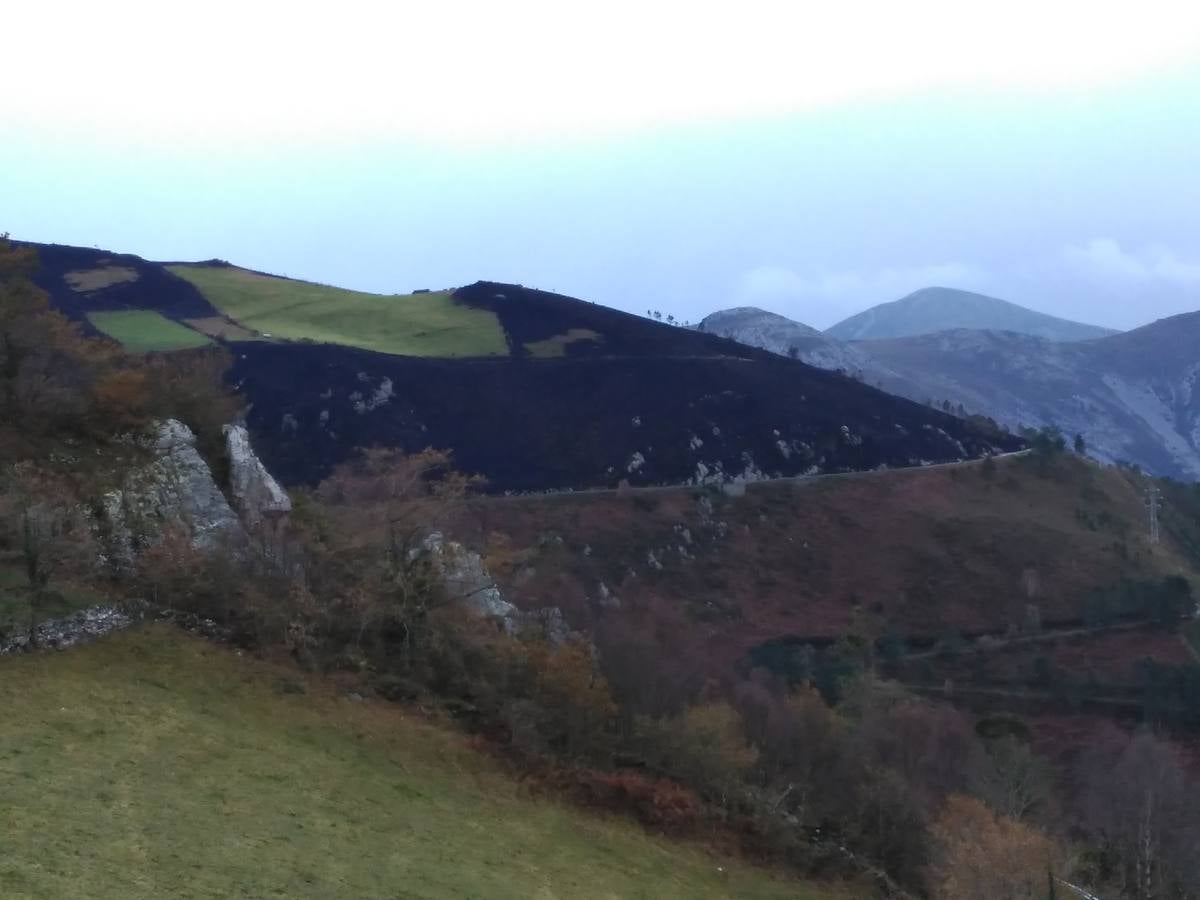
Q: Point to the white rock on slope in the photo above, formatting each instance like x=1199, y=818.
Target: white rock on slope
x=177, y=487
x=256, y=494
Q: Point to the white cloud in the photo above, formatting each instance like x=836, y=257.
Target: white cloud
x=239, y=72
x=821, y=299
x=1105, y=259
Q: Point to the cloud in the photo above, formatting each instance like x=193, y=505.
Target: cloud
x=289, y=71
x=821, y=299
x=1105, y=259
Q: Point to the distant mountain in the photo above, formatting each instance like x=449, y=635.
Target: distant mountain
x=779, y=334
x=934, y=309
x=1134, y=396
x=532, y=390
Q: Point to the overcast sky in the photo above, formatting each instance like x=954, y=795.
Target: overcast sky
x=673, y=156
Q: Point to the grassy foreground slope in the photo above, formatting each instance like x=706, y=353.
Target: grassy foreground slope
x=144, y=331
x=426, y=324
x=153, y=764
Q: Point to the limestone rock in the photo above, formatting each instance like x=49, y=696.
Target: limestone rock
x=468, y=582
x=176, y=488
x=256, y=494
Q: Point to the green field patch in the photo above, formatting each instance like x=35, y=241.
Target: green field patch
x=153, y=764
x=144, y=331
x=422, y=324
x=557, y=346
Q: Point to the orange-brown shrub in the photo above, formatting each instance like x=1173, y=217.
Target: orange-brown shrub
x=655, y=802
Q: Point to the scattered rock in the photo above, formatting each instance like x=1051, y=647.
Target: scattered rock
x=77, y=628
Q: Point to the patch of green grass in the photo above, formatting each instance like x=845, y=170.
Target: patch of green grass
x=557, y=346
x=144, y=330
x=153, y=764
x=426, y=324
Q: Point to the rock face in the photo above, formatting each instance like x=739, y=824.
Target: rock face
x=176, y=488
x=257, y=496
x=467, y=580
x=469, y=583
x=779, y=334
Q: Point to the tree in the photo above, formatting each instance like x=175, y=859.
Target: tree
x=977, y=853
x=368, y=537
x=1080, y=445
x=1138, y=804
x=45, y=521
x=1047, y=443
x=1013, y=780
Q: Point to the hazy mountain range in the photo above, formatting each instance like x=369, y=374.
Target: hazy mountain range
x=1133, y=395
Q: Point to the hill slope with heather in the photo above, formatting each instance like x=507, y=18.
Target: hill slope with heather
x=686, y=586
x=529, y=389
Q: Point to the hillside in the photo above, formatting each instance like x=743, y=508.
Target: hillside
x=158, y=765
x=532, y=390
x=934, y=309
x=708, y=583
x=1133, y=395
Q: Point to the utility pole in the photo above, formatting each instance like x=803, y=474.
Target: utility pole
x=1153, y=498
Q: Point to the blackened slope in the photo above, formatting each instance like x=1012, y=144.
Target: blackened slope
x=154, y=288
x=579, y=423
x=530, y=315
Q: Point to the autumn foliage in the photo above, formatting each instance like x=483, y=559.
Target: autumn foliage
x=977, y=853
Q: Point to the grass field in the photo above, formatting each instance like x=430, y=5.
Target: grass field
x=153, y=764
x=143, y=331
x=557, y=346
x=428, y=324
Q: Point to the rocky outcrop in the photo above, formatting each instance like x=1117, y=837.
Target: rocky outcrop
x=176, y=488
x=469, y=583
x=256, y=495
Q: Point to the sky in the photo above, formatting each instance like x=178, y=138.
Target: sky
x=682, y=157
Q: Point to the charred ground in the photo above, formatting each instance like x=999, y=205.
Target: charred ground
x=587, y=397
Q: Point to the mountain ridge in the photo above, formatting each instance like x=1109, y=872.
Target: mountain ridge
x=934, y=309
x=1132, y=395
